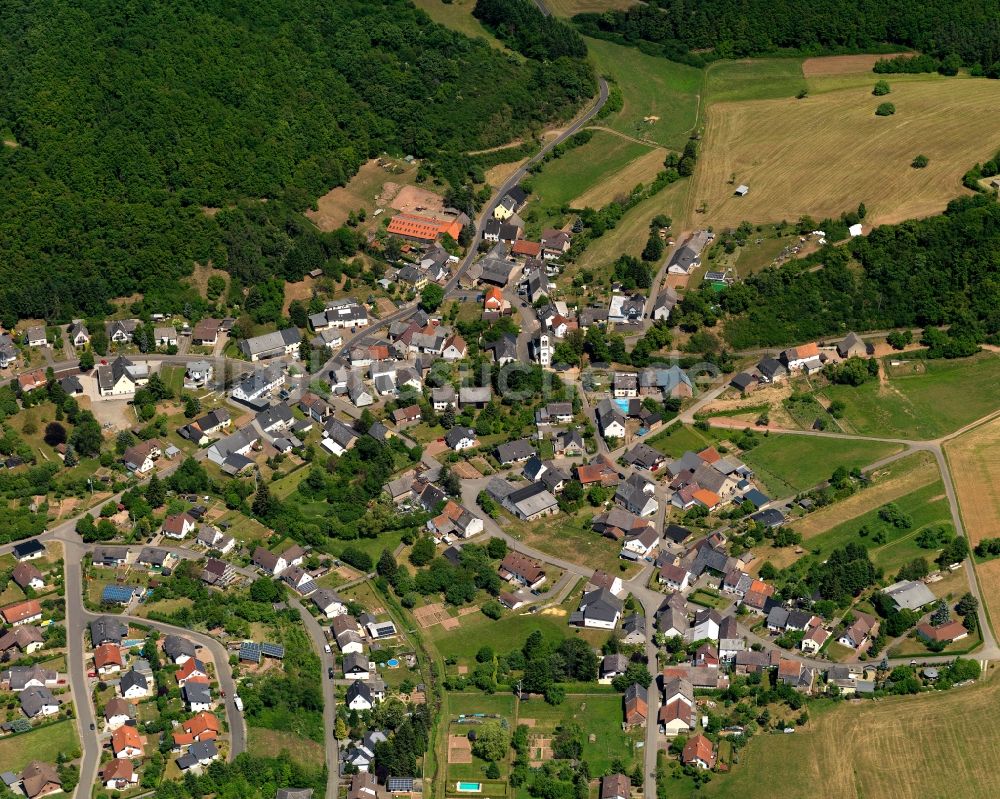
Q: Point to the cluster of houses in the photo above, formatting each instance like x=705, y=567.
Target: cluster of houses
x=804, y=359
x=194, y=740
x=708, y=480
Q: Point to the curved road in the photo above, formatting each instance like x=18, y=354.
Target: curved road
x=78, y=617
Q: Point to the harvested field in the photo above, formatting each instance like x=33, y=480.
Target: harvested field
x=939, y=744
x=908, y=475
x=567, y=8
x=820, y=155
x=459, y=749
x=465, y=470
x=974, y=458
x=840, y=65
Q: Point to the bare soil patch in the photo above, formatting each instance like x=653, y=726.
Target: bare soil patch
x=496, y=175
x=364, y=190
x=413, y=199
x=465, y=470
x=429, y=615
x=459, y=749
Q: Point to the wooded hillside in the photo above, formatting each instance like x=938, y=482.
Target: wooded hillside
x=128, y=118
x=730, y=29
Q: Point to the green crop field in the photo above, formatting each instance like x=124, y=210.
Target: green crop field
x=939, y=744
x=44, y=744
x=651, y=87
x=677, y=439
x=754, y=79
x=937, y=398
x=789, y=464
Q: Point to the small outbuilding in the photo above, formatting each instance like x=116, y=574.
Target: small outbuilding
x=742, y=190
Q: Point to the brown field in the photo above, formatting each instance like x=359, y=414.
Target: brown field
x=413, y=199
x=362, y=191
x=974, y=458
x=429, y=615
x=202, y=272
x=823, y=155
x=567, y=8
x=840, y=64
x=299, y=290
x=940, y=744
x=641, y=170
x=919, y=471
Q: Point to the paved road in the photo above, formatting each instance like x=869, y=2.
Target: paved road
x=327, y=661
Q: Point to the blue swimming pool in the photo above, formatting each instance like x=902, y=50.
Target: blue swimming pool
x=622, y=403
x=392, y=663
x=469, y=787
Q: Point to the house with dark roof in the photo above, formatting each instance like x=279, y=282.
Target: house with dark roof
x=598, y=609
x=514, y=452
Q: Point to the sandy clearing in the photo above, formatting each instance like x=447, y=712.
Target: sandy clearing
x=840, y=64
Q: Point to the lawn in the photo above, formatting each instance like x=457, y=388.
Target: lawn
x=268, y=743
x=939, y=744
x=677, y=439
x=652, y=88
x=599, y=716
x=753, y=79
x=824, y=154
x=44, y=744
x=173, y=377
x=923, y=403
x=926, y=506
x=506, y=634
x=790, y=464
x=570, y=536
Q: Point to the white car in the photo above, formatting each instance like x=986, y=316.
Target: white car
x=327, y=649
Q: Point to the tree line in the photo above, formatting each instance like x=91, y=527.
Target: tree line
x=699, y=31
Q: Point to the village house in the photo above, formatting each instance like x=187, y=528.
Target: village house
x=141, y=459
x=519, y=568
x=599, y=609
x=121, y=377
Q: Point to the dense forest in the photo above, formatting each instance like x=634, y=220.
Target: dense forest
x=123, y=121
x=521, y=24
x=938, y=271
x=697, y=30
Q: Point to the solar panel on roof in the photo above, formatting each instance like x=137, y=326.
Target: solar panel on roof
x=117, y=593
x=273, y=650
x=250, y=651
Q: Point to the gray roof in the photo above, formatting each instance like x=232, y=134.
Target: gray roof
x=519, y=450
x=107, y=629
x=601, y=604
x=133, y=678
x=270, y=342
x=153, y=556
x=176, y=645
x=34, y=699
x=197, y=692
x=456, y=434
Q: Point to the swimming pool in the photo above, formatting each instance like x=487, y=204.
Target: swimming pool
x=622, y=403
x=469, y=787
x=392, y=663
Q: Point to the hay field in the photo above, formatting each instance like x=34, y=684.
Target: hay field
x=661, y=97
x=639, y=170
x=974, y=458
x=933, y=746
x=824, y=154
x=567, y=8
